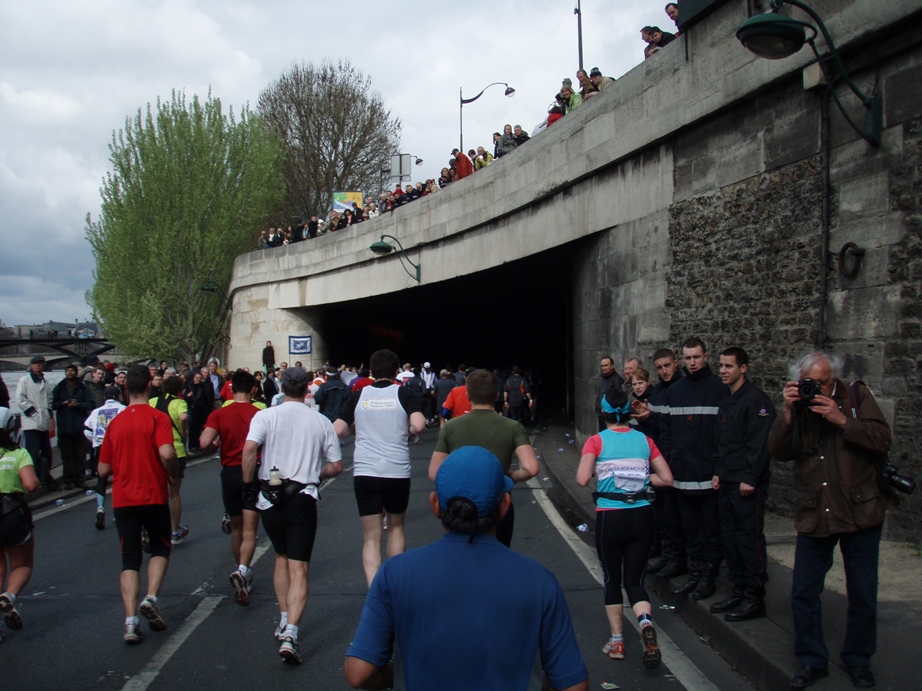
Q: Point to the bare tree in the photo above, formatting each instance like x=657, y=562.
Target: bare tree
x=338, y=132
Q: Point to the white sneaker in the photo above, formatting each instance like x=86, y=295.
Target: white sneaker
x=150, y=610
x=242, y=586
x=289, y=651
x=132, y=633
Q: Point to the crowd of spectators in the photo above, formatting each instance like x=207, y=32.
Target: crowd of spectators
x=461, y=164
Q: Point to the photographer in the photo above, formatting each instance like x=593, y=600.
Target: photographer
x=837, y=501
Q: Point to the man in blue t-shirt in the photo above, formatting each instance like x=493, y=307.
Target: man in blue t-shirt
x=457, y=590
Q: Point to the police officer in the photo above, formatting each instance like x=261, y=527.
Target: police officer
x=741, y=475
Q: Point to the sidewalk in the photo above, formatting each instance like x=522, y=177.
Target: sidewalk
x=762, y=649
x=42, y=497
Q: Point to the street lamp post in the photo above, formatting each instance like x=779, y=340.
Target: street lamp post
x=579, y=31
x=462, y=101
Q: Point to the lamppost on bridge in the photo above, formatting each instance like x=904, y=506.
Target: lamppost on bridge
x=462, y=101
x=579, y=31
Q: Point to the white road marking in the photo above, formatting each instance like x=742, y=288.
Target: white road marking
x=685, y=671
x=143, y=679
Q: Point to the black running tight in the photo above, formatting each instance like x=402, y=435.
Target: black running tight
x=623, y=538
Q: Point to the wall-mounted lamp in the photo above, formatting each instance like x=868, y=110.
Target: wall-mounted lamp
x=776, y=36
x=382, y=249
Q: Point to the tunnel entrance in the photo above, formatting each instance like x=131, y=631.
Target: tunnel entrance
x=515, y=314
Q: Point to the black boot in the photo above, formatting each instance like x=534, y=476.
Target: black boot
x=705, y=589
x=706, y=582
x=732, y=602
x=694, y=577
x=655, y=564
x=752, y=607
x=673, y=568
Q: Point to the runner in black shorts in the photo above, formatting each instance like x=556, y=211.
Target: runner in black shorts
x=228, y=427
x=376, y=494
x=155, y=519
x=382, y=415
x=299, y=451
x=292, y=527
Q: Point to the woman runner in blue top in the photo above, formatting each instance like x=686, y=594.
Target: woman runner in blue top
x=626, y=463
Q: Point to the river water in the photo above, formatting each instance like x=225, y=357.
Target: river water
x=11, y=379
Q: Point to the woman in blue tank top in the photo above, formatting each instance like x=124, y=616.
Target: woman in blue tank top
x=626, y=463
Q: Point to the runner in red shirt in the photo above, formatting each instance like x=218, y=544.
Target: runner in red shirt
x=457, y=403
x=138, y=453
x=227, y=428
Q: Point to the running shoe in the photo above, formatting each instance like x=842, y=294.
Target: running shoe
x=242, y=586
x=280, y=632
x=651, y=651
x=614, y=650
x=289, y=651
x=226, y=525
x=132, y=633
x=179, y=535
x=145, y=541
x=150, y=610
x=100, y=518
x=10, y=612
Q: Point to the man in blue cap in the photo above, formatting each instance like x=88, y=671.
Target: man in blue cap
x=449, y=605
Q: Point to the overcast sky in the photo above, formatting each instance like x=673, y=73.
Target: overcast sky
x=71, y=72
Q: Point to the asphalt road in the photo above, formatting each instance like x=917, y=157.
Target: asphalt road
x=73, y=614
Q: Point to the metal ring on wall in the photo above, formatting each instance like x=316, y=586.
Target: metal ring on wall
x=849, y=267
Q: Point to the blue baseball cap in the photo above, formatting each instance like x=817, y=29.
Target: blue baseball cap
x=475, y=474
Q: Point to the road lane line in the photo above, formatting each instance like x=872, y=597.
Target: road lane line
x=143, y=679
x=685, y=671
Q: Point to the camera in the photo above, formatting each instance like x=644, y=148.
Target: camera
x=889, y=475
x=808, y=389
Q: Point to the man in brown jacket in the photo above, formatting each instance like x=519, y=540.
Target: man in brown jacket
x=837, y=501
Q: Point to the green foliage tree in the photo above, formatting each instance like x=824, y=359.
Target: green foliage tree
x=187, y=193
x=338, y=133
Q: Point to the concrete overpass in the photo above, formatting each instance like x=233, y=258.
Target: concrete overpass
x=696, y=196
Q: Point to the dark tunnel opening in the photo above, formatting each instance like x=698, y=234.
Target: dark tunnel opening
x=514, y=314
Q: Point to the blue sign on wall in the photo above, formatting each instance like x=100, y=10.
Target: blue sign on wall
x=300, y=345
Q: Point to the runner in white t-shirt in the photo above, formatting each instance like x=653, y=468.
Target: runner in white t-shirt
x=295, y=442
x=382, y=416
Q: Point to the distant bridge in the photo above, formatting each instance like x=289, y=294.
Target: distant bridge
x=55, y=349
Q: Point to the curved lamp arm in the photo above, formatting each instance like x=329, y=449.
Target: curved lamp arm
x=874, y=104
x=382, y=248
x=471, y=100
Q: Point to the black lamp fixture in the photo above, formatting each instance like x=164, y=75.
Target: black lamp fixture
x=382, y=249
x=464, y=101
x=775, y=36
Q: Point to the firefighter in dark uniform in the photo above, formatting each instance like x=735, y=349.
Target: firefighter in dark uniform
x=745, y=419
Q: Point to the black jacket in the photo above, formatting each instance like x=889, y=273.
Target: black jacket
x=744, y=422
x=70, y=420
x=660, y=417
x=691, y=430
